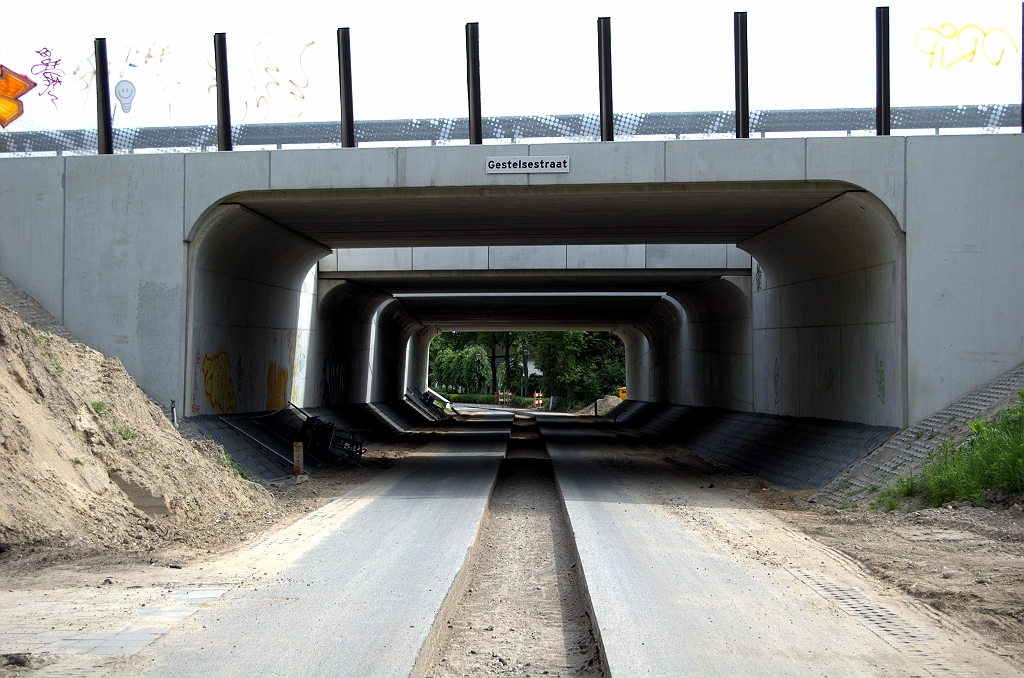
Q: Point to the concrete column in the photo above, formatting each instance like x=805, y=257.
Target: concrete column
x=418, y=361
x=638, y=364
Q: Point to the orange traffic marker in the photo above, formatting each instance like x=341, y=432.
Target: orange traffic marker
x=12, y=86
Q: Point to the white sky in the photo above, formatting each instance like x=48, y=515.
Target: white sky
x=536, y=57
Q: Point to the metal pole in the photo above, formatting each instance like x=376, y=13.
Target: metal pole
x=348, y=130
x=104, y=123
x=604, y=74
x=742, y=83
x=220, y=56
x=883, y=113
x=476, y=129
x=1022, y=73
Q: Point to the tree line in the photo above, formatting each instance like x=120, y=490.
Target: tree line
x=578, y=366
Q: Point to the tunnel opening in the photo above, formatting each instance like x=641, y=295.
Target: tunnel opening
x=814, y=327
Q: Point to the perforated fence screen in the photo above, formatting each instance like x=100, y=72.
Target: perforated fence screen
x=520, y=129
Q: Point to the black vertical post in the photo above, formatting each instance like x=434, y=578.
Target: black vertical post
x=476, y=129
x=220, y=56
x=104, y=124
x=348, y=129
x=883, y=113
x=604, y=74
x=739, y=25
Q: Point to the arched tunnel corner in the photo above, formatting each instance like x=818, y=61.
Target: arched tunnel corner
x=829, y=323
x=250, y=314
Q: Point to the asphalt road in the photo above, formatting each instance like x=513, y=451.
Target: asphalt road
x=668, y=604
x=363, y=600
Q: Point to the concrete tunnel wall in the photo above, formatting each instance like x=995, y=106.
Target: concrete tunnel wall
x=418, y=357
x=829, y=309
x=251, y=319
x=696, y=347
x=345, y=316
x=395, y=327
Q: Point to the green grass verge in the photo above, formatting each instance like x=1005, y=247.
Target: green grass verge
x=992, y=458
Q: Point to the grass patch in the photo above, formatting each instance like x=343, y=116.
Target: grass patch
x=99, y=407
x=77, y=462
x=906, y=487
x=126, y=432
x=886, y=503
x=991, y=459
x=239, y=471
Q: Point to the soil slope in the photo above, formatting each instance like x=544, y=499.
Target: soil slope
x=88, y=463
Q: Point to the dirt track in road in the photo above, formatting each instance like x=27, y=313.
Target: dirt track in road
x=522, y=610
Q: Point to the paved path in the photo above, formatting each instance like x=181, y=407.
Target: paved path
x=666, y=604
x=363, y=600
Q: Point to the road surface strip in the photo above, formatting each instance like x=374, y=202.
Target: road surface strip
x=677, y=599
x=361, y=601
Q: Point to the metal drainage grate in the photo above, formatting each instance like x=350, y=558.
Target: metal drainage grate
x=899, y=632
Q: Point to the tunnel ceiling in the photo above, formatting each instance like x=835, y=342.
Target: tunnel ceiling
x=526, y=280
x=522, y=312
x=551, y=214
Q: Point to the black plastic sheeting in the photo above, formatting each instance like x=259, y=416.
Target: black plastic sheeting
x=787, y=452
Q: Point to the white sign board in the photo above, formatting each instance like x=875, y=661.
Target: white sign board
x=525, y=164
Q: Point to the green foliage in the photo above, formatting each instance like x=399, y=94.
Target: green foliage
x=100, y=407
x=886, y=503
x=78, y=462
x=126, y=432
x=906, y=486
x=579, y=367
x=44, y=341
x=239, y=471
x=461, y=370
x=991, y=459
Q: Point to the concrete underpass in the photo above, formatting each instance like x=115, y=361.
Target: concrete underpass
x=785, y=305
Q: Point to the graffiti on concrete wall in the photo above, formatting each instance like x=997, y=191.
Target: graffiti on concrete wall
x=277, y=387
x=949, y=45
x=778, y=374
x=12, y=87
x=880, y=380
x=195, y=381
x=217, y=385
x=332, y=382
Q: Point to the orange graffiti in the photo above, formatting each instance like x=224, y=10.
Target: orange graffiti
x=12, y=86
x=220, y=392
x=277, y=387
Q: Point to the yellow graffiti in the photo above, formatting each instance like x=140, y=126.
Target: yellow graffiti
x=277, y=387
x=961, y=45
x=220, y=392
